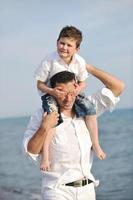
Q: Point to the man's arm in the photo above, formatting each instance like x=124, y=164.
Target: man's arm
x=111, y=82
x=35, y=144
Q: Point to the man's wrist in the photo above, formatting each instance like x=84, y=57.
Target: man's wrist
x=44, y=129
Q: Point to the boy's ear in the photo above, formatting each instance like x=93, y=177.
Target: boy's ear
x=78, y=48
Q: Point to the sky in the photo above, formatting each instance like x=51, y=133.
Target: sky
x=29, y=30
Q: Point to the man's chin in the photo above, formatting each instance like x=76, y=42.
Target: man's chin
x=68, y=107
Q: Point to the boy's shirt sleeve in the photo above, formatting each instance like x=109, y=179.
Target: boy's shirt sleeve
x=43, y=71
x=82, y=72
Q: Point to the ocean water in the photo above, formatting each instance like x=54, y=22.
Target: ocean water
x=20, y=179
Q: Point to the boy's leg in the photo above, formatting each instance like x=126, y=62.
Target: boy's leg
x=84, y=108
x=49, y=104
x=45, y=164
x=91, y=123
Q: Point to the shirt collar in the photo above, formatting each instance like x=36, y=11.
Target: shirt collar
x=58, y=58
x=66, y=117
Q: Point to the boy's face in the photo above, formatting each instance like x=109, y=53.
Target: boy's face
x=66, y=48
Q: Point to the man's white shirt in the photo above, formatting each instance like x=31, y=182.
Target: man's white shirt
x=70, y=149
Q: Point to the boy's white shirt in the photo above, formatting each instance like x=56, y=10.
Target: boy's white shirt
x=53, y=64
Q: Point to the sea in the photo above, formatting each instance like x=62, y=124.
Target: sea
x=20, y=179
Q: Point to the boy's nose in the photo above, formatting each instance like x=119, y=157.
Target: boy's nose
x=65, y=46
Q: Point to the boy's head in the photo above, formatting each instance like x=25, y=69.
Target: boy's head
x=68, y=43
x=73, y=33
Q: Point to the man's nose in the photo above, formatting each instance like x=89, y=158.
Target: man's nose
x=69, y=97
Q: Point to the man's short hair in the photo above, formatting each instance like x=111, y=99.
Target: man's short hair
x=71, y=32
x=62, y=77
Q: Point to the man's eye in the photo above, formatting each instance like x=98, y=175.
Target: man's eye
x=72, y=94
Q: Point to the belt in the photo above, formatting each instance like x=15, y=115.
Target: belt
x=79, y=183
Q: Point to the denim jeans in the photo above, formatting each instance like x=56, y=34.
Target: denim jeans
x=49, y=104
x=82, y=106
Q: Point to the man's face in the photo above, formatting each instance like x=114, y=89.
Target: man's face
x=66, y=48
x=67, y=99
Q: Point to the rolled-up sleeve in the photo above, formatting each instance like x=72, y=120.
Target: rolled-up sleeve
x=104, y=100
x=32, y=127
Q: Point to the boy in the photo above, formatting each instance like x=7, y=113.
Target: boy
x=66, y=58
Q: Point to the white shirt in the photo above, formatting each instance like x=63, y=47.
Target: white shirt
x=53, y=64
x=70, y=149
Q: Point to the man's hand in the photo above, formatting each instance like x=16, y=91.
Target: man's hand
x=49, y=120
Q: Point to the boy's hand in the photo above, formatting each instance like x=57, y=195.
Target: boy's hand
x=57, y=92
x=77, y=89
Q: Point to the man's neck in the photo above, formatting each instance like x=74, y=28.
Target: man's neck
x=68, y=113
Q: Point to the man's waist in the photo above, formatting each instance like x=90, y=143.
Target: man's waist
x=79, y=183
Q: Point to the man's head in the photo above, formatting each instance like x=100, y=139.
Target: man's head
x=68, y=42
x=65, y=82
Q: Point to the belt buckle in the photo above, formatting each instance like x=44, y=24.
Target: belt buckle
x=78, y=184
x=84, y=182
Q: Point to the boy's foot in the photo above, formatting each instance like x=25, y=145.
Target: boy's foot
x=99, y=152
x=44, y=165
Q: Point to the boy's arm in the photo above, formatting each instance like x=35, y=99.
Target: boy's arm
x=44, y=88
x=56, y=92
x=111, y=82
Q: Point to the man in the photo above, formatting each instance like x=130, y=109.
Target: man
x=70, y=175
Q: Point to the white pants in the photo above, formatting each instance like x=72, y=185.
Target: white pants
x=63, y=192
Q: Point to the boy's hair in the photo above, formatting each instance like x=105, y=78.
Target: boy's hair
x=62, y=77
x=71, y=32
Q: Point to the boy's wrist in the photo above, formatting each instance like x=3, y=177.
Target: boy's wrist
x=50, y=91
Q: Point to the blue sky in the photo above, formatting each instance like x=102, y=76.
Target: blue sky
x=29, y=30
